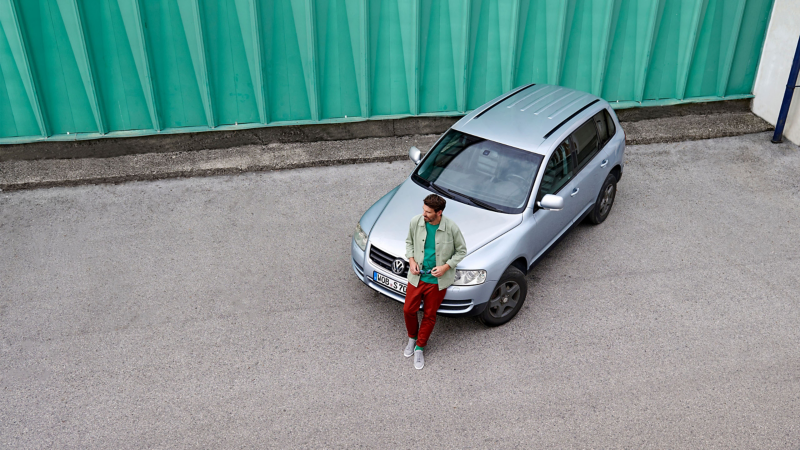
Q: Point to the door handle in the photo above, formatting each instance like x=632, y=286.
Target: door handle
x=574, y=192
x=605, y=163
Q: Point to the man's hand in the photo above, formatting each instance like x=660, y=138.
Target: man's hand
x=438, y=271
x=413, y=267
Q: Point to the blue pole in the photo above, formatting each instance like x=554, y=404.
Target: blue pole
x=787, y=97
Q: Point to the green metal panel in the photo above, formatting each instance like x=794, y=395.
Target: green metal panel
x=715, y=46
x=82, y=69
x=634, y=24
x=112, y=44
x=339, y=45
x=393, y=55
x=169, y=36
x=287, y=59
x=490, y=47
x=748, y=47
x=673, y=48
x=540, y=49
x=230, y=35
x=19, y=105
x=59, y=64
x=442, y=55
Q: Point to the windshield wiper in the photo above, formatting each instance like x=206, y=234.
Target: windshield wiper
x=440, y=189
x=480, y=203
x=419, y=179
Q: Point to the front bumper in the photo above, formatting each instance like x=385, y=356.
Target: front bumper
x=459, y=300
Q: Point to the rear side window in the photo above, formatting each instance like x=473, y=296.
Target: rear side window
x=612, y=129
x=585, y=143
x=559, y=170
x=605, y=127
x=602, y=128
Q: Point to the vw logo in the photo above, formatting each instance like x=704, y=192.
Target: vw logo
x=398, y=266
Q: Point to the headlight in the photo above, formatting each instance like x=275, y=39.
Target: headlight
x=469, y=277
x=360, y=237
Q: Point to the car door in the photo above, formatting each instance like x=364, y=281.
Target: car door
x=558, y=179
x=584, y=141
x=592, y=157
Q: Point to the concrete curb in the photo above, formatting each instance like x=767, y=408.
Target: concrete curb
x=693, y=128
x=29, y=174
x=217, y=140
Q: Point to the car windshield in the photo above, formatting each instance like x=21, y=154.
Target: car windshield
x=480, y=172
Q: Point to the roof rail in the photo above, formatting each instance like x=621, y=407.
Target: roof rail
x=503, y=99
x=569, y=118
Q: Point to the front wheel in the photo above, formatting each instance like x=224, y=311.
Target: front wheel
x=605, y=200
x=507, y=298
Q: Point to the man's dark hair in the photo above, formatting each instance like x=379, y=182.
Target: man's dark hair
x=435, y=202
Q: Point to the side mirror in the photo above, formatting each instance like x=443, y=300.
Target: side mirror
x=415, y=155
x=551, y=203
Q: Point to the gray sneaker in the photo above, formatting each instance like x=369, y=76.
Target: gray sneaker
x=419, y=360
x=410, y=348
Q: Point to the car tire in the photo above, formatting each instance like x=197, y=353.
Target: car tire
x=506, y=300
x=605, y=200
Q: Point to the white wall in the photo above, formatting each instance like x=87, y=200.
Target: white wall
x=773, y=71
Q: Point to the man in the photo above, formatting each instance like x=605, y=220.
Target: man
x=436, y=242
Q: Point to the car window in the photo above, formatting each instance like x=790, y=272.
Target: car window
x=584, y=139
x=602, y=128
x=479, y=172
x=605, y=127
x=612, y=129
x=558, y=171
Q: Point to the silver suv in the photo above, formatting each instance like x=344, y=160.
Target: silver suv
x=517, y=172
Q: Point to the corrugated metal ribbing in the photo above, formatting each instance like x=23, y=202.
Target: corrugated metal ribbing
x=81, y=69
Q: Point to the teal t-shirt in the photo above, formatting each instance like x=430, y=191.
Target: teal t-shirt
x=430, y=254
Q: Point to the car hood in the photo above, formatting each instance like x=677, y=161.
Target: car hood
x=479, y=226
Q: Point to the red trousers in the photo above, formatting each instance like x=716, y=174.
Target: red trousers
x=432, y=298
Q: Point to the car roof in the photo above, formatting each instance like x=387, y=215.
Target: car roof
x=527, y=116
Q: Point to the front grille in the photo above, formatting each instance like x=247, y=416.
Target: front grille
x=385, y=260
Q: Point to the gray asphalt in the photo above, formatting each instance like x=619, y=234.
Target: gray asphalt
x=222, y=312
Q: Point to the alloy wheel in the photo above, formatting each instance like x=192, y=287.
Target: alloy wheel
x=607, y=200
x=504, y=299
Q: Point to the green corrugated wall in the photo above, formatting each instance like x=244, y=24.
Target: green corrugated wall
x=82, y=69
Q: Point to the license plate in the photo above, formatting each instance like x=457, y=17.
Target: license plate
x=383, y=280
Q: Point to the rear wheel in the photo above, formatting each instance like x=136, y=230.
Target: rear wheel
x=605, y=200
x=507, y=298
